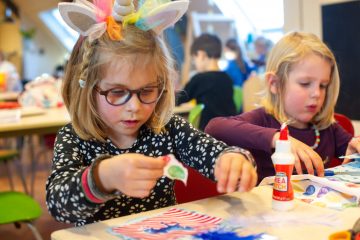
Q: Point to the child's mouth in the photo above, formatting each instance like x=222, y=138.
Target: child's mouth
x=311, y=108
x=131, y=123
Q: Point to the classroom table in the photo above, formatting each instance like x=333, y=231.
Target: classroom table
x=9, y=96
x=46, y=121
x=49, y=121
x=35, y=122
x=229, y=206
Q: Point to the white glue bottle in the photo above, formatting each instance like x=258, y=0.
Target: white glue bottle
x=283, y=160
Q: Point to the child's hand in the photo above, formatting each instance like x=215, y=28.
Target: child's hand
x=132, y=174
x=305, y=154
x=353, y=147
x=234, y=172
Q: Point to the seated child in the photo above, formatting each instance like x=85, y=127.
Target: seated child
x=302, y=88
x=237, y=68
x=209, y=86
x=109, y=161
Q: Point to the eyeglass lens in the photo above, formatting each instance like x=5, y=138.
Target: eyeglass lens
x=118, y=96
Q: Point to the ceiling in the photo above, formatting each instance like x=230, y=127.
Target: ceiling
x=34, y=7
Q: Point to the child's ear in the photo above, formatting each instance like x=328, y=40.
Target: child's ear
x=201, y=54
x=273, y=82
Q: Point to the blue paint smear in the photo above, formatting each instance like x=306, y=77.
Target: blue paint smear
x=168, y=228
x=310, y=190
x=221, y=235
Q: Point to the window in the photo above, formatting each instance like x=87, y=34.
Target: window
x=255, y=17
x=59, y=28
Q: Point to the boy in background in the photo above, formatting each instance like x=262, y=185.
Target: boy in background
x=210, y=86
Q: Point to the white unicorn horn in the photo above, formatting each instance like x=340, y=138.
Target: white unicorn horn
x=122, y=8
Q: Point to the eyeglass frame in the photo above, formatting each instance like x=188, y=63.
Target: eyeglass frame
x=136, y=91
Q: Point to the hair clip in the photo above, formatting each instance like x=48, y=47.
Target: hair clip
x=82, y=83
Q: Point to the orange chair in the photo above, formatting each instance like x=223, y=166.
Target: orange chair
x=198, y=187
x=346, y=123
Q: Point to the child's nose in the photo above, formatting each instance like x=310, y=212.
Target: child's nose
x=134, y=103
x=316, y=92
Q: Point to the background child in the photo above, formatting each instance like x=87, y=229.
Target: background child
x=12, y=78
x=237, y=68
x=209, y=86
x=262, y=47
x=109, y=161
x=302, y=88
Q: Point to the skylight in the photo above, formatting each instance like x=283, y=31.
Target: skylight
x=257, y=17
x=60, y=29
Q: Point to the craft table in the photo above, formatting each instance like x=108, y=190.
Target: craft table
x=255, y=203
x=9, y=96
x=48, y=121
x=35, y=123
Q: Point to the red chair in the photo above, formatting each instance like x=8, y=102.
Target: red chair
x=346, y=123
x=198, y=187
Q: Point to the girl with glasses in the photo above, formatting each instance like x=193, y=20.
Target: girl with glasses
x=118, y=88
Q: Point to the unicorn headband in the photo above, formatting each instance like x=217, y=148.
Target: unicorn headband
x=93, y=20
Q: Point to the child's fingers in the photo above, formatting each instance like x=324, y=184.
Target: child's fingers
x=222, y=176
x=316, y=162
x=136, y=188
x=305, y=158
x=150, y=162
x=297, y=164
x=346, y=160
x=147, y=174
x=144, y=185
x=353, y=147
x=254, y=179
x=234, y=175
x=217, y=171
x=246, y=178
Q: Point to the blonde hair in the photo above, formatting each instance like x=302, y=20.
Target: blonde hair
x=291, y=49
x=89, y=62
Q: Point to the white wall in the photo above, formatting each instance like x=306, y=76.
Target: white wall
x=40, y=54
x=305, y=15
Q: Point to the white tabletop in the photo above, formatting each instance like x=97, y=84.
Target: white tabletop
x=45, y=121
x=48, y=121
x=9, y=96
x=255, y=203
